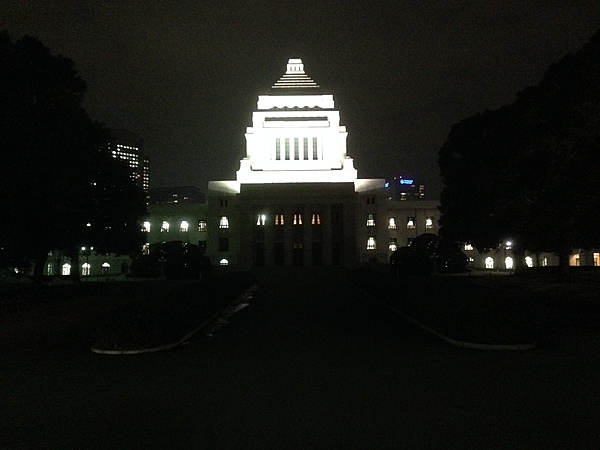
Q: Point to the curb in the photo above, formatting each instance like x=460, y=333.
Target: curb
x=177, y=343
x=443, y=337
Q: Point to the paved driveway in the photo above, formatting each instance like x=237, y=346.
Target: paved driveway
x=310, y=363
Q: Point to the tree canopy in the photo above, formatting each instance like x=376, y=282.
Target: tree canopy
x=530, y=171
x=60, y=187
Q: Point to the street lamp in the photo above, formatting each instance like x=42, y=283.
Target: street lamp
x=87, y=252
x=508, y=260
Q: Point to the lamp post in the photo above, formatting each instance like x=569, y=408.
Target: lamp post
x=87, y=261
x=86, y=251
x=508, y=261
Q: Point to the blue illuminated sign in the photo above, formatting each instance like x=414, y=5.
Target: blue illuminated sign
x=403, y=181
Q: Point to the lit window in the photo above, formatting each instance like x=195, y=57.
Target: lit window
x=224, y=262
x=66, y=269
x=105, y=268
x=508, y=245
x=202, y=225
x=410, y=222
x=508, y=262
x=468, y=247
x=146, y=249
x=529, y=261
x=277, y=149
x=165, y=227
x=49, y=269
x=85, y=269
x=545, y=262
x=489, y=262
x=224, y=222
x=429, y=222
x=297, y=219
x=146, y=227
x=184, y=226
x=261, y=219
x=278, y=219
x=393, y=245
x=316, y=219
x=370, y=220
x=371, y=244
x=392, y=223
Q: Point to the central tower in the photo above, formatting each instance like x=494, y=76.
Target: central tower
x=296, y=136
x=294, y=200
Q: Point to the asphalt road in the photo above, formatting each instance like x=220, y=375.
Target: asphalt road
x=310, y=363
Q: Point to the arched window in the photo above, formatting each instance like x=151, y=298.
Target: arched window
x=224, y=262
x=105, y=268
x=224, y=222
x=508, y=263
x=489, y=262
x=184, y=226
x=529, y=261
x=66, y=269
x=371, y=244
x=85, y=269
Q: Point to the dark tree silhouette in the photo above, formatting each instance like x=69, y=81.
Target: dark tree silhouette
x=530, y=170
x=56, y=175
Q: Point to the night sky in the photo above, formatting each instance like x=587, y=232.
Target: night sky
x=186, y=74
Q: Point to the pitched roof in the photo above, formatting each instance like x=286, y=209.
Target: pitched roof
x=295, y=79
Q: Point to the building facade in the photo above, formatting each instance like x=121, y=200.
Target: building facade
x=297, y=198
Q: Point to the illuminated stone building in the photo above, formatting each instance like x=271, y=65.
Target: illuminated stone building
x=297, y=198
x=177, y=214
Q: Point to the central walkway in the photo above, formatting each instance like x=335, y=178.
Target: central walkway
x=310, y=363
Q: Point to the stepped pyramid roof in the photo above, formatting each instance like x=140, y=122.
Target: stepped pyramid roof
x=295, y=79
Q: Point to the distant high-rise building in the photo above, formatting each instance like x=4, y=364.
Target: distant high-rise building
x=404, y=187
x=178, y=194
x=129, y=147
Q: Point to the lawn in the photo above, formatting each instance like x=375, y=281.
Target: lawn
x=119, y=315
x=483, y=309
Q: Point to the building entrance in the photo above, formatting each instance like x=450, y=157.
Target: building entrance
x=260, y=254
x=298, y=254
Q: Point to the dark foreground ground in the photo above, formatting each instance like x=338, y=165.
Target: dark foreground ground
x=310, y=363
